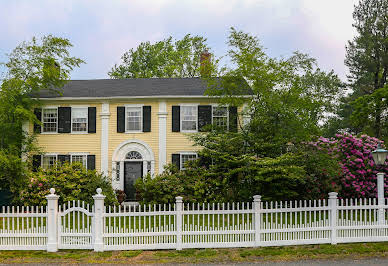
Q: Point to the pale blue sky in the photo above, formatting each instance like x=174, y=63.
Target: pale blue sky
x=101, y=31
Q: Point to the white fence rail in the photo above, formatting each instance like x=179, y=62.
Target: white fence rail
x=76, y=225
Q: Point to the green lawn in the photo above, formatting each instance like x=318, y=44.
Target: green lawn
x=289, y=253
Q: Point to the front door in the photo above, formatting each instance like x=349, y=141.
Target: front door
x=132, y=171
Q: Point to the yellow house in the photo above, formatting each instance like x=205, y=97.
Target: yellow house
x=126, y=128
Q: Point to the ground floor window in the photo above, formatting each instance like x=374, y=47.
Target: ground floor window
x=76, y=158
x=185, y=157
x=49, y=161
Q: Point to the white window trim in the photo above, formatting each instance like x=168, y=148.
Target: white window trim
x=141, y=118
x=180, y=120
x=181, y=166
x=227, y=114
x=48, y=154
x=41, y=120
x=87, y=121
x=79, y=153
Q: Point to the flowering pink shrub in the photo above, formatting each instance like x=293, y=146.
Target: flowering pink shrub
x=359, y=171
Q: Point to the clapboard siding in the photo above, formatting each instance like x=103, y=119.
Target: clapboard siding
x=151, y=138
x=64, y=143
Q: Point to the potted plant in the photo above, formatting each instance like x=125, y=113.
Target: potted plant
x=121, y=196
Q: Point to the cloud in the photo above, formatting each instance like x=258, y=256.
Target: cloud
x=102, y=31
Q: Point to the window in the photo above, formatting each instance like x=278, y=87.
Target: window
x=49, y=119
x=49, y=161
x=134, y=119
x=220, y=117
x=117, y=171
x=79, y=119
x=79, y=159
x=189, y=118
x=133, y=155
x=185, y=157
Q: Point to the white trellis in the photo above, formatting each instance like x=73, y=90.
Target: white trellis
x=182, y=225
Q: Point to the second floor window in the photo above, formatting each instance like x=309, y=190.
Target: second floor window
x=220, y=117
x=49, y=119
x=133, y=119
x=79, y=119
x=189, y=115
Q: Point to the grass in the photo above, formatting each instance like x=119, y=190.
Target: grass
x=235, y=255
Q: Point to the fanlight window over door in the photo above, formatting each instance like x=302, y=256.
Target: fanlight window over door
x=133, y=155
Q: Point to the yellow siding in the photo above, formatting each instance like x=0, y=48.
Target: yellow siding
x=64, y=143
x=151, y=138
x=67, y=143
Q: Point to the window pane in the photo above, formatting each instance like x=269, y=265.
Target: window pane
x=79, y=158
x=79, y=119
x=49, y=120
x=187, y=157
x=220, y=117
x=133, y=118
x=189, y=117
x=49, y=161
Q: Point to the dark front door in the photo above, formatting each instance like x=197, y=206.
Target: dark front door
x=132, y=171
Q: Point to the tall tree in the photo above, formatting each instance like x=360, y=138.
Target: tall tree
x=31, y=66
x=291, y=95
x=367, y=59
x=163, y=59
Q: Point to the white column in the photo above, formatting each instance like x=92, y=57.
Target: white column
x=162, y=114
x=178, y=229
x=52, y=221
x=333, y=216
x=98, y=220
x=256, y=205
x=380, y=197
x=105, y=114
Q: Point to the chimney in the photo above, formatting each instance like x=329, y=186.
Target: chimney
x=205, y=61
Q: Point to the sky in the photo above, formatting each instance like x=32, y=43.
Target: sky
x=101, y=30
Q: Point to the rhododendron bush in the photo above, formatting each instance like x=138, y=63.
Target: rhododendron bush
x=358, y=178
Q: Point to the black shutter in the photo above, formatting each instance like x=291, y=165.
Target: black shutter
x=92, y=119
x=120, y=119
x=63, y=158
x=204, y=116
x=176, y=159
x=176, y=118
x=64, y=119
x=36, y=162
x=91, y=162
x=232, y=118
x=38, y=114
x=146, y=118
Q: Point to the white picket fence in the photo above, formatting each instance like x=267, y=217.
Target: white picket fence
x=76, y=225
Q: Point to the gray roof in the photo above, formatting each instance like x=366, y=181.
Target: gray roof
x=136, y=87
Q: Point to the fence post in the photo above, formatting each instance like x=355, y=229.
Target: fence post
x=333, y=216
x=98, y=220
x=380, y=198
x=52, y=221
x=256, y=208
x=179, y=208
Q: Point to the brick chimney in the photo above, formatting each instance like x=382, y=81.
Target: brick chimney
x=205, y=60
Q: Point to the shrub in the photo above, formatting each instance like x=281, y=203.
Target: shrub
x=358, y=177
x=71, y=182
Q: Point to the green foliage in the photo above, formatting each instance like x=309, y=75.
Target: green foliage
x=291, y=95
x=32, y=66
x=163, y=59
x=367, y=60
x=71, y=182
